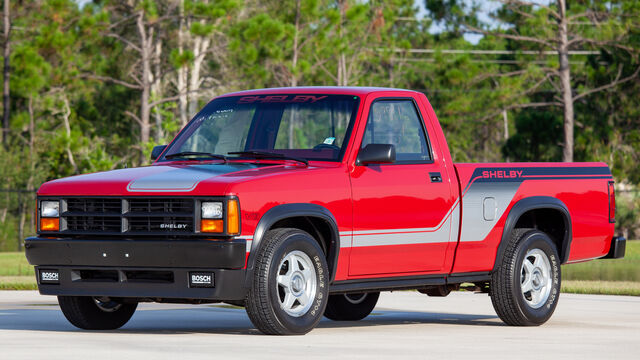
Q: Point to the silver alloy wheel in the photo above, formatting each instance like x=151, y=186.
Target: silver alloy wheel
x=355, y=299
x=296, y=283
x=106, y=304
x=535, y=279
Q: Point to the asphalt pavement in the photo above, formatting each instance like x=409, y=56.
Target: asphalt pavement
x=403, y=325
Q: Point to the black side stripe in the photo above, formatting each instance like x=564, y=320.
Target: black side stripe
x=602, y=170
x=520, y=174
x=568, y=178
x=548, y=171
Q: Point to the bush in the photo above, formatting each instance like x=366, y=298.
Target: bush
x=627, y=218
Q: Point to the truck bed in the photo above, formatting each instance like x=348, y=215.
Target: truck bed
x=490, y=190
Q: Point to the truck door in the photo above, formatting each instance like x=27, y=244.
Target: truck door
x=402, y=211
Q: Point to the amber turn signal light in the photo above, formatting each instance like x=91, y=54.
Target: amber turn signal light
x=211, y=226
x=49, y=224
x=233, y=217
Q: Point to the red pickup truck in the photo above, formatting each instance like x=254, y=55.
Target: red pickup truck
x=302, y=202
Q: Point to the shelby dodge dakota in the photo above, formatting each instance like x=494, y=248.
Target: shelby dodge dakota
x=298, y=203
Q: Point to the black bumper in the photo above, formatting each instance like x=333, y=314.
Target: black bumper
x=618, y=247
x=139, y=268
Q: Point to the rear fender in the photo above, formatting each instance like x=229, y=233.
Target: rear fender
x=533, y=203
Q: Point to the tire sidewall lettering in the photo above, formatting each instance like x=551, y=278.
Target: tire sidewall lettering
x=556, y=282
x=298, y=241
x=319, y=298
x=540, y=241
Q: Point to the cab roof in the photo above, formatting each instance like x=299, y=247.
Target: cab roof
x=338, y=90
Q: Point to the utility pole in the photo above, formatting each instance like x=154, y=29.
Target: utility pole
x=565, y=80
x=6, y=73
x=506, y=124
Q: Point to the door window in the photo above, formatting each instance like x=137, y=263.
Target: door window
x=397, y=122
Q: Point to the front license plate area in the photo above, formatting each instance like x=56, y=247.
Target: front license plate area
x=201, y=279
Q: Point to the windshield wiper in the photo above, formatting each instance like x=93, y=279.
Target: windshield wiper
x=196, y=153
x=268, y=155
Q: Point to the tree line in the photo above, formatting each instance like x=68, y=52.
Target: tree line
x=93, y=86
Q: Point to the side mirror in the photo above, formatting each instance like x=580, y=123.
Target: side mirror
x=157, y=151
x=377, y=154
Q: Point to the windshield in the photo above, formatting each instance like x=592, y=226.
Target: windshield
x=309, y=126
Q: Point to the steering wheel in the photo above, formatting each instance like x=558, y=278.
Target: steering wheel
x=322, y=146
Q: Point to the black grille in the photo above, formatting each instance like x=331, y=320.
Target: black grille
x=93, y=223
x=91, y=205
x=139, y=216
x=168, y=224
x=166, y=206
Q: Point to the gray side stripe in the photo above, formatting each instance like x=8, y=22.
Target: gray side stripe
x=410, y=230
x=434, y=235
x=345, y=241
x=474, y=226
x=439, y=236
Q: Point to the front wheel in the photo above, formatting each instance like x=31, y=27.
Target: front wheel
x=351, y=307
x=525, y=288
x=290, y=286
x=96, y=313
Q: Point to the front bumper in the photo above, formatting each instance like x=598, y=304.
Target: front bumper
x=139, y=268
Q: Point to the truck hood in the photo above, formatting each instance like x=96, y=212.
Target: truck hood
x=175, y=179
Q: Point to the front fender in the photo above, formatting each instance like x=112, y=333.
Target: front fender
x=285, y=211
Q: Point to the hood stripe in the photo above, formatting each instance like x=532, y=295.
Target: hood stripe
x=182, y=179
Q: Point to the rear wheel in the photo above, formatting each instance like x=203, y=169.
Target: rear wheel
x=525, y=288
x=351, y=307
x=96, y=313
x=290, y=286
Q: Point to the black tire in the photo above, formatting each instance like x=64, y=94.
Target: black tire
x=513, y=305
x=351, y=307
x=263, y=302
x=84, y=312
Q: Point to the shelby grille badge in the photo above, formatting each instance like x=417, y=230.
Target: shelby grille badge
x=200, y=279
x=173, y=226
x=49, y=277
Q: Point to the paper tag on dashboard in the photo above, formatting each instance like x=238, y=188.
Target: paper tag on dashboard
x=329, y=140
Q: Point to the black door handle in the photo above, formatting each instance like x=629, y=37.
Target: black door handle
x=435, y=177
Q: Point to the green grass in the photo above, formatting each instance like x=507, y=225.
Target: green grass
x=23, y=282
x=14, y=264
x=626, y=269
x=601, y=287
x=15, y=272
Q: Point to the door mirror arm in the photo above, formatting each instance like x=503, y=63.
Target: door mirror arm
x=157, y=151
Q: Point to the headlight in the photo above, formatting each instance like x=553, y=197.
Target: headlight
x=49, y=209
x=215, y=218
x=49, y=216
x=212, y=210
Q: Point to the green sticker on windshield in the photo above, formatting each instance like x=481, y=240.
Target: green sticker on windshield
x=329, y=140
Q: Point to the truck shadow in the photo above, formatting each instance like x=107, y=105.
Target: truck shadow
x=391, y=317
x=220, y=320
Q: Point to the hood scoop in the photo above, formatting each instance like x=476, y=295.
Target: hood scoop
x=179, y=180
